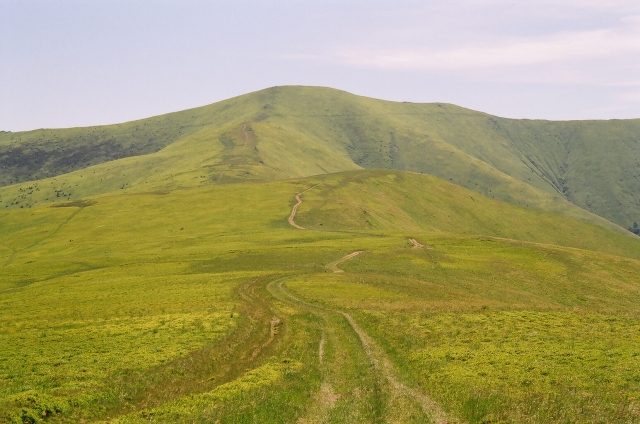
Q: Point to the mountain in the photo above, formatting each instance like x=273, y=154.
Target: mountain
x=305, y=255
x=286, y=132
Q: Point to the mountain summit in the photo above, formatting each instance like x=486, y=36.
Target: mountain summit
x=292, y=131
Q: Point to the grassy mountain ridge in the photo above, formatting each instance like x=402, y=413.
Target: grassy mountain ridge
x=593, y=164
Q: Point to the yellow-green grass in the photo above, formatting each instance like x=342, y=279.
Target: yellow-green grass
x=497, y=332
x=231, y=398
x=137, y=305
x=219, y=155
x=400, y=201
x=136, y=281
x=128, y=317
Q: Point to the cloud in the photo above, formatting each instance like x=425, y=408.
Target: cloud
x=630, y=97
x=560, y=47
x=618, y=6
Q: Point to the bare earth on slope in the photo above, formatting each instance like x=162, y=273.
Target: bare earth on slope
x=295, y=208
x=245, y=133
x=416, y=243
x=334, y=265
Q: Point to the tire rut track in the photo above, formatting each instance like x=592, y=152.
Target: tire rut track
x=381, y=362
x=326, y=398
x=205, y=369
x=258, y=311
x=374, y=353
x=323, y=341
x=13, y=254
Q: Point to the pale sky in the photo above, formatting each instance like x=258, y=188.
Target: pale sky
x=89, y=62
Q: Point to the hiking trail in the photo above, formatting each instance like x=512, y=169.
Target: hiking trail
x=334, y=265
x=416, y=244
x=295, y=208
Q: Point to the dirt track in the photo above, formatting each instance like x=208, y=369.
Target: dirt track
x=204, y=369
x=334, y=265
x=416, y=244
x=377, y=357
x=295, y=208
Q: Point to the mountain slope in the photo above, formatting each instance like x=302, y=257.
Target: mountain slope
x=286, y=132
x=384, y=200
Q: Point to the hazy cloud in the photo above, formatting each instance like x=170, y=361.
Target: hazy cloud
x=569, y=42
x=630, y=97
x=81, y=63
x=514, y=52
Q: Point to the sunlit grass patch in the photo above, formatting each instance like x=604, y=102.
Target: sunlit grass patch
x=5, y=254
x=198, y=407
x=473, y=271
x=276, y=390
x=522, y=366
x=89, y=327
x=141, y=303
x=347, y=291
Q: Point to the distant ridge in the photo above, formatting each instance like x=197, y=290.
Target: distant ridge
x=297, y=131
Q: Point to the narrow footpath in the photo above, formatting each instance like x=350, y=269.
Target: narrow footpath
x=295, y=208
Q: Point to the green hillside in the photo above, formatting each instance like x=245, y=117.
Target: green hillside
x=408, y=202
x=204, y=304
x=304, y=255
x=301, y=131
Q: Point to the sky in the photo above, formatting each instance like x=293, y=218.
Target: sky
x=89, y=62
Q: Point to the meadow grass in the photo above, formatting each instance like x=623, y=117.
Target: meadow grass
x=70, y=334
x=134, y=307
x=523, y=365
x=497, y=333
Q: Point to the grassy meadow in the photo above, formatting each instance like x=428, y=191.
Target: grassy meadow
x=202, y=304
x=497, y=334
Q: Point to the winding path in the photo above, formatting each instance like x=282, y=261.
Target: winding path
x=202, y=370
x=295, y=208
x=334, y=265
x=351, y=363
x=416, y=243
x=382, y=363
x=375, y=354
